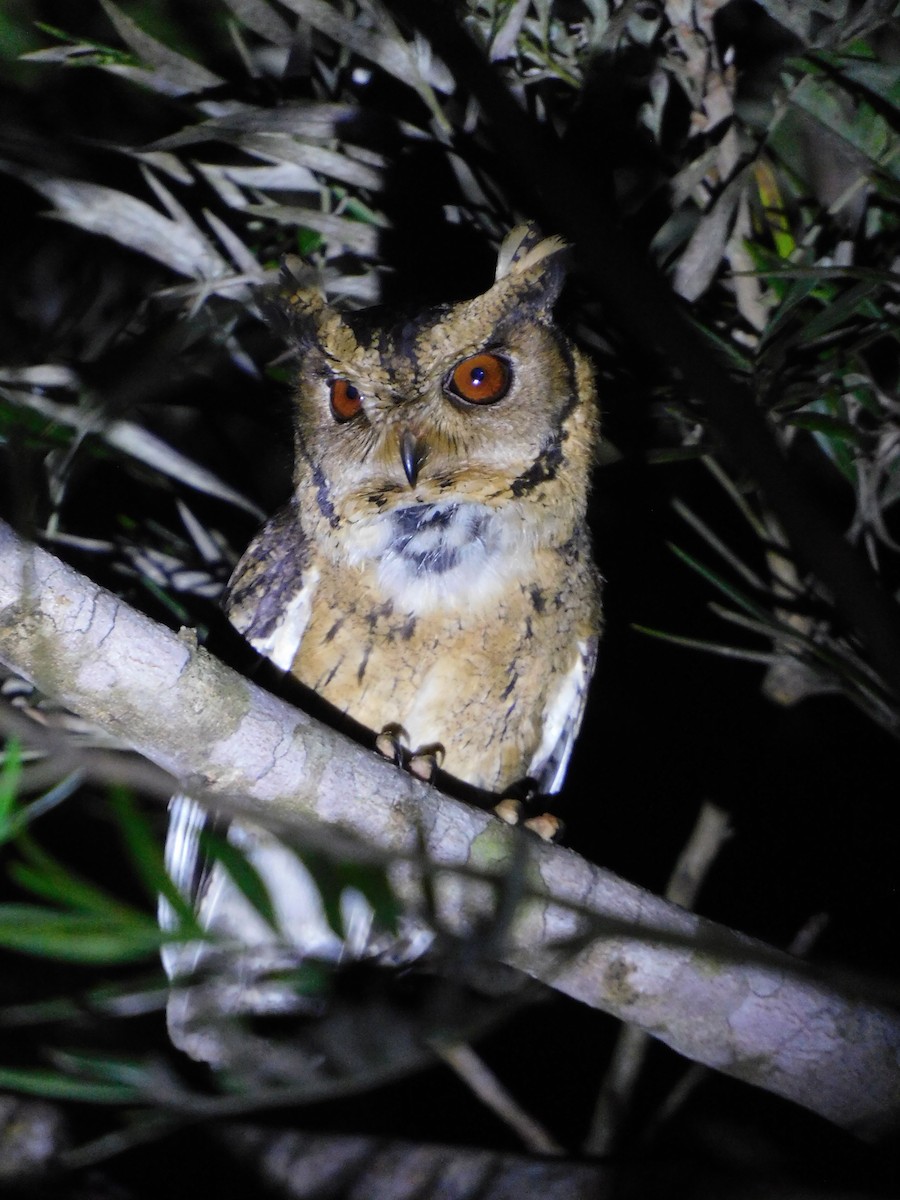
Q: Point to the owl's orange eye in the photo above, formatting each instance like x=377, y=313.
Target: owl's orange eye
x=345, y=400
x=481, y=379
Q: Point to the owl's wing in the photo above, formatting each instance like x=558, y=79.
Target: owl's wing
x=242, y=968
x=562, y=720
x=268, y=600
x=270, y=595
x=186, y=868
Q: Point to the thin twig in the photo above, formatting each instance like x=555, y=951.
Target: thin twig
x=490, y=1091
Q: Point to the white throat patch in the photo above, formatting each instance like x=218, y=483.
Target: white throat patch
x=449, y=554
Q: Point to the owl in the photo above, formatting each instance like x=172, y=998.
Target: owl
x=431, y=576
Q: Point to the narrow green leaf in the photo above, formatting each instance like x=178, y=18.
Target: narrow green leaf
x=715, y=543
x=674, y=454
x=819, y=272
x=103, y=1068
x=243, y=875
x=175, y=608
x=44, y=876
x=794, y=294
x=311, y=977
x=729, y=349
x=10, y=779
x=733, y=593
x=76, y=937
x=766, y=657
x=850, y=118
x=736, y=496
x=373, y=883
x=23, y=816
x=838, y=311
x=134, y=997
x=147, y=856
x=333, y=878
x=56, y=1086
x=90, y=53
x=308, y=241
x=330, y=885
x=823, y=423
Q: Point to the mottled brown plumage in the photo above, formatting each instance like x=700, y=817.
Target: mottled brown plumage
x=433, y=569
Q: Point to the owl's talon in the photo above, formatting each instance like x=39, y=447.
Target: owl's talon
x=424, y=762
x=389, y=743
x=547, y=827
x=509, y=810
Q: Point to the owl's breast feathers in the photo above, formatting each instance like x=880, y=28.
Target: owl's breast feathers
x=448, y=629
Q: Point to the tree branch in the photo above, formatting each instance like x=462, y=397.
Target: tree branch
x=713, y=995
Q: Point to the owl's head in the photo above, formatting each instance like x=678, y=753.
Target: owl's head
x=482, y=408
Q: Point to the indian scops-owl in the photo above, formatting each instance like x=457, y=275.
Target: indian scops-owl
x=433, y=570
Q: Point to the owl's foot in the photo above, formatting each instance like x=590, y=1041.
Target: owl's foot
x=546, y=826
x=510, y=810
x=391, y=743
x=424, y=762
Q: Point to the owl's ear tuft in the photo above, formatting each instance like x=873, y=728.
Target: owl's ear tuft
x=532, y=266
x=515, y=246
x=296, y=309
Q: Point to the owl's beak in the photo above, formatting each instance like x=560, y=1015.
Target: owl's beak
x=413, y=453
